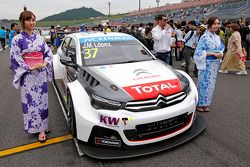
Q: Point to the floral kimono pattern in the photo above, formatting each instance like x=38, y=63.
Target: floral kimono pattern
x=208, y=66
x=33, y=84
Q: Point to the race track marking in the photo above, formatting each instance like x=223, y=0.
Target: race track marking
x=35, y=145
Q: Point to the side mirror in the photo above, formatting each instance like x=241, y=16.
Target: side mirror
x=65, y=60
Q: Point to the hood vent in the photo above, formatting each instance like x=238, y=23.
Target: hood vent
x=91, y=80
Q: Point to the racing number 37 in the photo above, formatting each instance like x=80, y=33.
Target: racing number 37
x=90, y=53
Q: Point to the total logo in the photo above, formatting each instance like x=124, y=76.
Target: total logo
x=152, y=90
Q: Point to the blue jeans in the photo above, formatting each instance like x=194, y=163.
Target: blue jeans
x=164, y=56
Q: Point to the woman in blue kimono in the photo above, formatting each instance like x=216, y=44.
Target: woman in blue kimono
x=207, y=57
x=32, y=79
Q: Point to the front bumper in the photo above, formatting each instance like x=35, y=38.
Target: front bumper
x=137, y=128
x=199, y=124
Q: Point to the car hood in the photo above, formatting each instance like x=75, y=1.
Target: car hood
x=138, y=80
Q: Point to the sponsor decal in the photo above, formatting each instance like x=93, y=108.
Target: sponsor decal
x=96, y=45
x=152, y=90
x=108, y=120
x=106, y=39
x=107, y=142
x=139, y=72
x=143, y=74
x=126, y=119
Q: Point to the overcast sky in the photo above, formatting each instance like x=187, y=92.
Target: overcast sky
x=10, y=9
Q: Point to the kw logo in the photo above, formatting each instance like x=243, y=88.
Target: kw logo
x=107, y=120
x=139, y=72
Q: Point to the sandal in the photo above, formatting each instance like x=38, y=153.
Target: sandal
x=42, y=137
x=206, y=109
x=200, y=109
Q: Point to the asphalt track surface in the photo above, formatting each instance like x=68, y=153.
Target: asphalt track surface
x=225, y=142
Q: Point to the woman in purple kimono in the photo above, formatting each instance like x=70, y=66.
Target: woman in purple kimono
x=31, y=60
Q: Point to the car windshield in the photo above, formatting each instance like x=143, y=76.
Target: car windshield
x=112, y=50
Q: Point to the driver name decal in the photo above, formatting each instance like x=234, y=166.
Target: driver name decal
x=96, y=45
x=152, y=90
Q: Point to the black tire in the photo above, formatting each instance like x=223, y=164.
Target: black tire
x=71, y=115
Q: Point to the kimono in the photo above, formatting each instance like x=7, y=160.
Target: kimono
x=231, y=61
x=33, y=84
x=208, y=66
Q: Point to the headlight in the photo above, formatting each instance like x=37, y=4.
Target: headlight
x=184, y=82
x=102, y=103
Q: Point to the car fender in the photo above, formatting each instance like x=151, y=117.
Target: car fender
x=59, y=68
x=82, y=108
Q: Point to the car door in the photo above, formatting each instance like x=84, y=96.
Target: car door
x=64, y=73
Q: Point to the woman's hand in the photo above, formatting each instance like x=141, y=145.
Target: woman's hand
x=33, y=67
x=41, y=65
x=218, y=55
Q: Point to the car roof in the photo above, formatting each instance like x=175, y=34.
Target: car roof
x=98, y=34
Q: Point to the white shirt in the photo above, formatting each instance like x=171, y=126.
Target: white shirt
x=179, y=35
x=161, y=39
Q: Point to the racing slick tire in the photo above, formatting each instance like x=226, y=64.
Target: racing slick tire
x=71, y=114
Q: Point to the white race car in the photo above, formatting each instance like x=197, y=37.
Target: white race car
x=120, y=100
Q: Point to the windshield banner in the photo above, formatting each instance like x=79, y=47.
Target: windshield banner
x=106, y=39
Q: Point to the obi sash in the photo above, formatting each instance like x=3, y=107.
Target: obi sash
x=33, y=58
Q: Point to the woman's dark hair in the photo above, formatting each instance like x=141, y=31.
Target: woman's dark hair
x=211, y=21
x=25, y=15
x=235, y=26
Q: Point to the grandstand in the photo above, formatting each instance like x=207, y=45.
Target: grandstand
x=187, y=10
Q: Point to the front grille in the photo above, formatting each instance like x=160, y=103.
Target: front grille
x=159, y=128
x=153, y=104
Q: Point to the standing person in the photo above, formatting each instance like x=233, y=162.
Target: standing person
x=228, y=33
x=30, y=77
x=231, y=60
x=12, y=33
x=124, y=28
x=191, y=41
x=248, y=44
x=179, y=42
x=207, y=56
x=52, y=33
x=67, y=29
x=148, y=37
x=3, y=37
x=59, y=37
x=162, y=35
